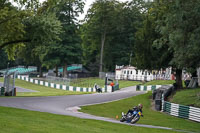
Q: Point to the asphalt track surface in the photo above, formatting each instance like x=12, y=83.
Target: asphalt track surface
x=59, y=104
x=70, y=104
x=19, y=89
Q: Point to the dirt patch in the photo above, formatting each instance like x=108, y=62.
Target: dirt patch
x=152, y=103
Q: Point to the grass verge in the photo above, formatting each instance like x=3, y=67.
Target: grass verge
x=42, y=90
x=189, y=97
x=151, y=117
x=18, y=121
x=160, y=82
x=125, y=83
x=89, y=82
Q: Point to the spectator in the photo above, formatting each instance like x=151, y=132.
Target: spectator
x=112, y=85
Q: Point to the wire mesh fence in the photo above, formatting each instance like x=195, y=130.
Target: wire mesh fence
x=76, y=82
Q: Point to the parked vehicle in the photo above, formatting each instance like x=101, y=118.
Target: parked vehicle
x=131, y=117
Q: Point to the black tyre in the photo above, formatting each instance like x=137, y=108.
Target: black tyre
x=122, y=119
x=135, y=119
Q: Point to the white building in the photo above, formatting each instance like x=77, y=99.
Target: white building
x=132, y=73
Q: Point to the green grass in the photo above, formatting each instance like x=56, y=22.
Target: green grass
x=151, y=117
x=124, y=83
x=190, y=97
x=89, y=82
x=23, y=121
x=160, y=82
x=42, y=90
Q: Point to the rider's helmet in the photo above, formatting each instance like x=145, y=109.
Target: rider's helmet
x=140, y=106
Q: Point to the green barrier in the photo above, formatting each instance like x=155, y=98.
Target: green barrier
x=116, y=87
x=137, y=88
x=2, y=91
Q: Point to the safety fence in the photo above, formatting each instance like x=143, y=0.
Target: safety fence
x=65, y=87
x=143, y=77
x=182, y=111
x=2, y=91
x=147, y=88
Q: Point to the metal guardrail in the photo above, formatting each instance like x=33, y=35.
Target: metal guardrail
x=2, y=91
x=147, y=87
x=182, y=111
x=64, y=87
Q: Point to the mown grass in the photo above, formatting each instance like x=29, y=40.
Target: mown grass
x=89, y=82
x=23, y=121
x=189, y=97
x=125, y=83
x=151, y=117
x=160, y=82
x=42, y=90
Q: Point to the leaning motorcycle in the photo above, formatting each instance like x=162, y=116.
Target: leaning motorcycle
x=131, y=117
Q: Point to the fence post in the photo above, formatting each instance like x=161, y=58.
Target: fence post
x=2, y=91
x=162, y=108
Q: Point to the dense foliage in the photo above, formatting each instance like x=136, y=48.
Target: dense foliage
x=149, y=35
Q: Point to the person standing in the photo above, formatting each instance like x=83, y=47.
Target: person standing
x=112, y=85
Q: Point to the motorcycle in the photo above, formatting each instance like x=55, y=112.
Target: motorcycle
x=131, y=117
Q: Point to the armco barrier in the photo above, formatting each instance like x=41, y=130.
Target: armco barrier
x=147, y=88
x=116, y=87
x=64, y=87
x=182, y=111
x=2, y=91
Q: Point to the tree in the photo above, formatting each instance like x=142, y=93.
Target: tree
x=99, y=23
x=69, y=49
x=43, y=30
x=181, y=30
x=23, y=26
x=11, y=26
x=148, y=55
x=108, y=31
x=175, y=29
x=4, y=59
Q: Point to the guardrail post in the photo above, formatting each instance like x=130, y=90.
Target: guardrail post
x=162, y=108
x=2, y=91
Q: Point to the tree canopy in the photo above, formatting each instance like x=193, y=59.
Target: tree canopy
x=149, y=35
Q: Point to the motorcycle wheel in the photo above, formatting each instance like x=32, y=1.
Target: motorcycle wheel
x=122, y=119
x=135, y=119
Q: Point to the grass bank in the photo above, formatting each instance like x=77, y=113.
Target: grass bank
x=160, y=82
x=42, y=90
x=189, y=97
x=89, y=82
x=151, y=117
x=18, y=121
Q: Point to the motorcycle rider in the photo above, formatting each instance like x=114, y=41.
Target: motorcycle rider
x=136, y=108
